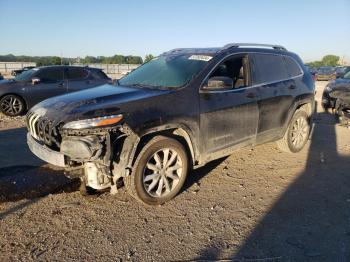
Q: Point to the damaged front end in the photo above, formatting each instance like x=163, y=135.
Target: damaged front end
x=99, y=151
x=342, y=106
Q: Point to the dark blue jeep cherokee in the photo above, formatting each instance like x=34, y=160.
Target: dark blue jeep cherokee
x=178, y=111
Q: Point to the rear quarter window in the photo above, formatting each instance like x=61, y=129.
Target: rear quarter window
x=268, y=68
x=99, y=74
x=292, y=67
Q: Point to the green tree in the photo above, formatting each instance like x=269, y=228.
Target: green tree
x=90, y=60
x=330, y=60
x=133, y=59
x=315, y=64
x=118, y=59
x=148, y=58
x=55, y=60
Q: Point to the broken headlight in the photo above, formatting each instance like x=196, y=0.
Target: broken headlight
x=94, y=122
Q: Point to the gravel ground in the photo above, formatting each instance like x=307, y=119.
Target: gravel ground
x=259, y=204
x=7, y=122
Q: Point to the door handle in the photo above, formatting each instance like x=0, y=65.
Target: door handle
x=60, y=84
x=292, y=86
x=250, y=95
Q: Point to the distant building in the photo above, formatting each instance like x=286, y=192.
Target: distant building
x=342, y=61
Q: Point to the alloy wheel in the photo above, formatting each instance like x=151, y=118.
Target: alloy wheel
x=11, y=105
x=162, y=172
x=299, y=132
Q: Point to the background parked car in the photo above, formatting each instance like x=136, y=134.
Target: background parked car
x=32, y=86
x=313, y=72
x=1, y=77
x=19, y=71
x=329, y=102
x=326, y=73
x=341, y=71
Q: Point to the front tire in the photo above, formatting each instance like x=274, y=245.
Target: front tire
x=159, y=172
x=297, y=133
x=12, y=105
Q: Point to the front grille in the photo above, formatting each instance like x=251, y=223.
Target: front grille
x=43, y=130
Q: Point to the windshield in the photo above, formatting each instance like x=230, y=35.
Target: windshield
x=169, y=71
x=326, y=70
x=347, y=75
x=25, y=75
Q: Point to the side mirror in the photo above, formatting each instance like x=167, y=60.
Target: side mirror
x=35, y=81
x=219, y=82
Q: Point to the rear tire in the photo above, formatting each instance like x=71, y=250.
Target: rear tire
x=159, y=171
x=12, y=105
x=297, y=133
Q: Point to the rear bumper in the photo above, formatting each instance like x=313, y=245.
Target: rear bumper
x=325, y=77
x=45, y=153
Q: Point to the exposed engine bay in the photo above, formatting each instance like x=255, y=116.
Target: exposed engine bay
x=99, y=156
x=342, y=106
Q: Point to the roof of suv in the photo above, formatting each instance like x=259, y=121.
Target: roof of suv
x=215, y=50
x=69, y=66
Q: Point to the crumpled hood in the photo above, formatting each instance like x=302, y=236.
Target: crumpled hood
x=94, y=102
x=341, y=92
x=339, y=82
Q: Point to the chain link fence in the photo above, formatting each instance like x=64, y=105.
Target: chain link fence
x=8, y=67
x=112, y=70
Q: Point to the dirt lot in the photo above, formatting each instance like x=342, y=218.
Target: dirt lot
x=258, y=204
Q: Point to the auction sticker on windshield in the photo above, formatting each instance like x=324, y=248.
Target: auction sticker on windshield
x=200, y=57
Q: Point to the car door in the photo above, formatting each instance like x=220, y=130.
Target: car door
x=229, y=116
x=79, y=78
x=48, y=82
x=276, y=93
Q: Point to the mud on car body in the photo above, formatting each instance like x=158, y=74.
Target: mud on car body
x=178, y=111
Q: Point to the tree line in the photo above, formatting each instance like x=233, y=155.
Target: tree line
x=328, y=60
x=56, y=60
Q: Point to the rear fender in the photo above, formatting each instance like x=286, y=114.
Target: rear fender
x=307, y=102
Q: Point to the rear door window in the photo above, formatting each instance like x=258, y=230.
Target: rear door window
x=77, y=73
x=268, y=68
x=51, y=75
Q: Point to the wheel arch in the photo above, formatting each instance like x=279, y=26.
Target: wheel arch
x=180, y=133
x=307, y=103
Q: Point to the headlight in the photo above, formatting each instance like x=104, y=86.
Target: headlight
x=94, y=122
x=328, y=88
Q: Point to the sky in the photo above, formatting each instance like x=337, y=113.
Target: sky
x=311, y=28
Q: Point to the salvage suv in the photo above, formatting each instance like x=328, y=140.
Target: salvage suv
x=179, y=111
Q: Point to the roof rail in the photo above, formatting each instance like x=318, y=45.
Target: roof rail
x=173, y=51
x=279, y=47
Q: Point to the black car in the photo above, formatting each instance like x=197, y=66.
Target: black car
x=341, y=71
x=326, y=73
x=329, y=102
x=342, y=105
x=178, y=111
x=19, y=71
x=33, y=86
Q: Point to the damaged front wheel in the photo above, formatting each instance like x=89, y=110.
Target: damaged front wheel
x=159, y=171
